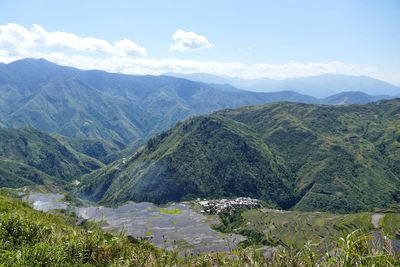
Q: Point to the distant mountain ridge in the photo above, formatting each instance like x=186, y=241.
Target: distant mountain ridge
x=346, y=98
x=114, y=107
x=299, y=156
x=320, y=86
x=117, y=108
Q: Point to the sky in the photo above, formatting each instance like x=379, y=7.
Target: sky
x=247, y=39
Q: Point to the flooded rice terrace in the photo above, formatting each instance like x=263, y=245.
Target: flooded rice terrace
x=172, y=226
x=46, y=202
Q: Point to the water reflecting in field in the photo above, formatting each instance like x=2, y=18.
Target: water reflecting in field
x=173, y=226
x=46, y=202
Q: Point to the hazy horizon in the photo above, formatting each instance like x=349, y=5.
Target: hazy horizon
x=256, y=39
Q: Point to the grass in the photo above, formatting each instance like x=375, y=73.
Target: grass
x=391, y=223
x=33, y=238
x=148, y=233
x=294, y=229
x=171, y=211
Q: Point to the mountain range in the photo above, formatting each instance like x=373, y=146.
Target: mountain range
x=156, y=138
x=320, y=86
x=120, y=109
x=299, y=156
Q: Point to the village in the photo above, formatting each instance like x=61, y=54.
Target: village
x=216, y=206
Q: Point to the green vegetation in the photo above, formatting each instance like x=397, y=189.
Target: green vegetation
x=391, y=224
x=30, y=157
x=297, y=156
x=94, y=148
x=120, y=109
x=32, y=238
x=295, y=229
x=148, y=233
x=171, y=211
x=342, y=158
x=204, y=157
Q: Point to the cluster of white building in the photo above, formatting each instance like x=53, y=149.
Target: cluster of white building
x=216, y=206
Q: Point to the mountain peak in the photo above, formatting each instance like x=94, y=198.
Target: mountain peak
x=33, y=61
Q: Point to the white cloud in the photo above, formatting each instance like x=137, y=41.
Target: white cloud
x=184, y=41
x=145, y=65
x=19, y=40
x=125, y=56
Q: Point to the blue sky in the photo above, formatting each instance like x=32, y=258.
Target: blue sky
x=250, y=39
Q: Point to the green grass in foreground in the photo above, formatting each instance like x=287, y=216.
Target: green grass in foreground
x=33, y=238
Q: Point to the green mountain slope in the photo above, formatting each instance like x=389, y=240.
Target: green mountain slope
x=113, y=107
x=307, y=157
x=29, y=157
x=343, y=158
x=203, y=157
x=94, y=148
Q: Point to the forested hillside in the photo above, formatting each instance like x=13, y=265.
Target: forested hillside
x=305, y=157
x=30, y=157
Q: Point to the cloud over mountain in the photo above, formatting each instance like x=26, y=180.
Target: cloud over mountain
x=18, y=40
x=126, y=56
x=184, y=41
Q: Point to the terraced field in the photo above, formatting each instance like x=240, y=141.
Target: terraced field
x=182, y=226
x=173, y=226
x=295, y=229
